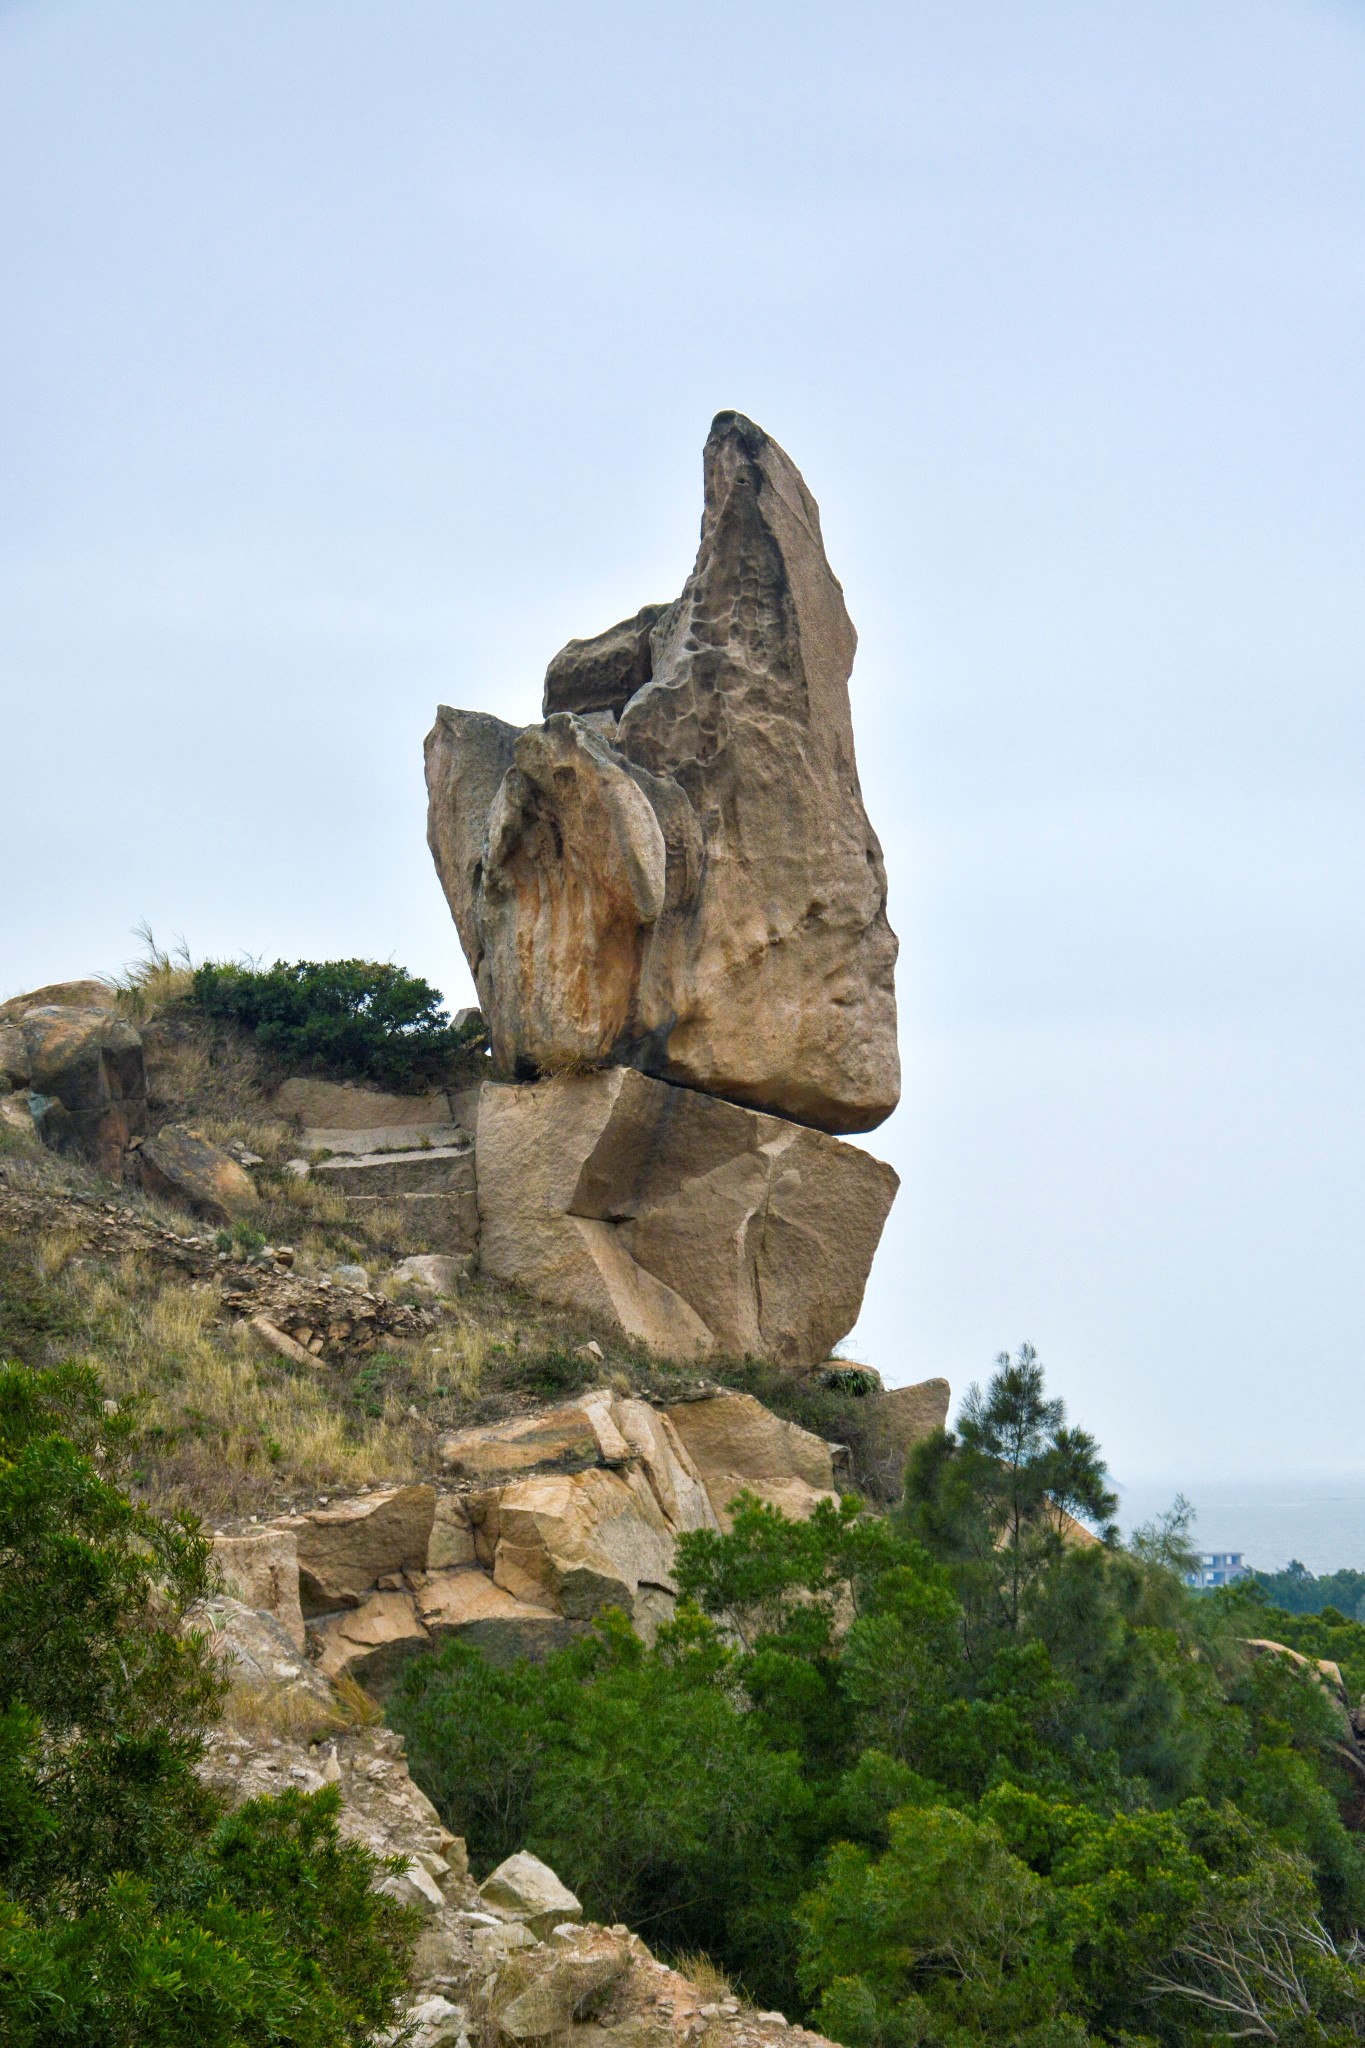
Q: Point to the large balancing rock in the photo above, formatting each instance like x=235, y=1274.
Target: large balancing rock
x=675, y=871
x=696, y=1225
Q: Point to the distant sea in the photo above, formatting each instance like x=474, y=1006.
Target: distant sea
x=1316, y=1516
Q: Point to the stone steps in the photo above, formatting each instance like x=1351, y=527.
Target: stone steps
x=381, y=1138
x=420, y=1171
x=434, y=1186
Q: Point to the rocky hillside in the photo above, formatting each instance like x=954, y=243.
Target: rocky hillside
x=276, y=1277
x=464, y=1362
x=509, y=1959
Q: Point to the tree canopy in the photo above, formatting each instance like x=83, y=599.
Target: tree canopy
x=969, y=1773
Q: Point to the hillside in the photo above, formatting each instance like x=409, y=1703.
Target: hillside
x=371, y=1426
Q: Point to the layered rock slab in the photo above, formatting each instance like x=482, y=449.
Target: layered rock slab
x=698, y=1226
x=675, y=872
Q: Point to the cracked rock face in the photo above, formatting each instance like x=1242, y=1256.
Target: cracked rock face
x=675, y=872
x=697, y=1226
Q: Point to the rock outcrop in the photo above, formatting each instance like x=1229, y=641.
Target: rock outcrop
x=67, y=995
x=184, y=1168
x=675, y=871
x=503, y=1962
x=698, y=1226
x=542, y=1523
x=81, y=1070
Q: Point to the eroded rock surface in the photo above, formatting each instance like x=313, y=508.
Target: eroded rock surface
x=187, y=1170
x=675, y=871
x=542, y=1524
x=698, y=1226
x=84, y=1072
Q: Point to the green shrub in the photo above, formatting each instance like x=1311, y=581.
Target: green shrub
x=133, y=1912
x=636, y=1771
x=355, y=1020
x=1297, y=1591
x=550, y=1372
x=964, y=1780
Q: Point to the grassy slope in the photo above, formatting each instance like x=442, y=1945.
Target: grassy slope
x=226, y=1426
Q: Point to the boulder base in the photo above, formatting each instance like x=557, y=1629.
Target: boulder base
x=698, y=1226
x=736, y=1445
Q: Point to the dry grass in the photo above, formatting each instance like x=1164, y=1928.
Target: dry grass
x=452, y=1359
x=708, y=1977
x=55, y=1250
x=199, y=1072
x=359, y=1709
x=295, y=1715
x=289, y=1713
x=224, y=1425
x=155, y=981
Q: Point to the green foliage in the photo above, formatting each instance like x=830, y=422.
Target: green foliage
x=629, y=1767
x=550, y=1371
x=1245, y=1610
x=953, y=1777
x=1297, y=1591
x=1037, y=1921
x=995, y=1500
x=131, y=1910
x=945, y=1937
x=351, y=1019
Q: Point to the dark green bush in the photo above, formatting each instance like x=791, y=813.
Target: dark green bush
x=633, y=1769
x=352, y=1020
x=133, y=1912
x=550, y=1372
x=1297, y=1591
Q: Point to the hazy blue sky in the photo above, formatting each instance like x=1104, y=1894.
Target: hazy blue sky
x=355, y=353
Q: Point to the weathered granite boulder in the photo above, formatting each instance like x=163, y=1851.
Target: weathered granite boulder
x=736, y=1445
x=561, y=1514
x=582, y=1542
x=85, y=1066
x=346, y=1550
x=601, y=675
x=909, y=1414
x=528, y=1889
x=698, y=1226
x=261, y=1568
x=373, y=1641
x=469, y=1604
x=266, y=1670
x=434, y=1272
x=13, y=1056
x=67, y=995
x=17, y=1127
x=675, y=871
x=183, y=1168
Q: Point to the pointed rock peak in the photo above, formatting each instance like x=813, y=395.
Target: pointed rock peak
x=694, y=888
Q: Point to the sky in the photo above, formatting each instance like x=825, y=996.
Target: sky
x=354, y=354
